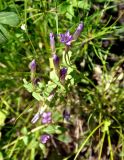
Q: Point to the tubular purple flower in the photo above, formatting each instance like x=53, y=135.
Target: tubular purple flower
x=52, y=42
x=66, y=38
x=78, y=31
x=46, y=117
x=44, y=138
x=32, y=65
x=63, y=73
x=56, y=61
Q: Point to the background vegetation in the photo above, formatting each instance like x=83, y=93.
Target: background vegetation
x=92, y=96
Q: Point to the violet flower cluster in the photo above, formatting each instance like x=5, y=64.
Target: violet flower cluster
x=46, y=119
x=63, y=71
x=67, y=38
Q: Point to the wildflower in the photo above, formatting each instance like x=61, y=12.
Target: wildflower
x=46, y=117
x=56, y=61
x=52, y=42
x=63, y=73
x=44, y=138
x=78, y=31
x=66, y=115
x=32, y=65
x=23, y=27
x=66, y=38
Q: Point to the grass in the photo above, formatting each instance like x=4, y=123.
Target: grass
x=93, y=93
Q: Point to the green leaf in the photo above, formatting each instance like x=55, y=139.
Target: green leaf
x=64, y=138
x=2, y=38
x=51, y=129
x=63, y=7
x=81, y=4
x=9, y=18
x=53, y=76
x=37, y=96
x=43, y=148
x=70, y=12
x=28, y=86
x=4, y=34
x=49, y=88
x=57, y=116
x=25, y=140
x=41, y=85
x=1, y=156
x=2, y=118
x=24, y=130
x=33, y=143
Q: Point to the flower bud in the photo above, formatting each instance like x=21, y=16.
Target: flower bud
x=63, y=73
x=32, y=65
x=35, y=118
x=56, y=61
x=66, y=115
x=52, y=42
x=78, y=31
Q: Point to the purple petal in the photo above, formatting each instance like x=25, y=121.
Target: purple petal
x=44, y=115
x=45, y=138
x=66, y=38
x=44, y=121
x=48, y=113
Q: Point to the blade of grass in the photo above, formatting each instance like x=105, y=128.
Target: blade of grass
x=90, y=135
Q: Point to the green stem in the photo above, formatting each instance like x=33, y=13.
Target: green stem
x=20, y=138
x=102, y=141
x=110, y=146
x=83, y=144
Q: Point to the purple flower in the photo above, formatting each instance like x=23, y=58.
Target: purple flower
x=32, y=65
x=63, y=73
x=52, y=42
x=78, y=31
x=46, y=117
x=66, y=115
x=44, y=138
x=56, y=61
x=66, y=38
